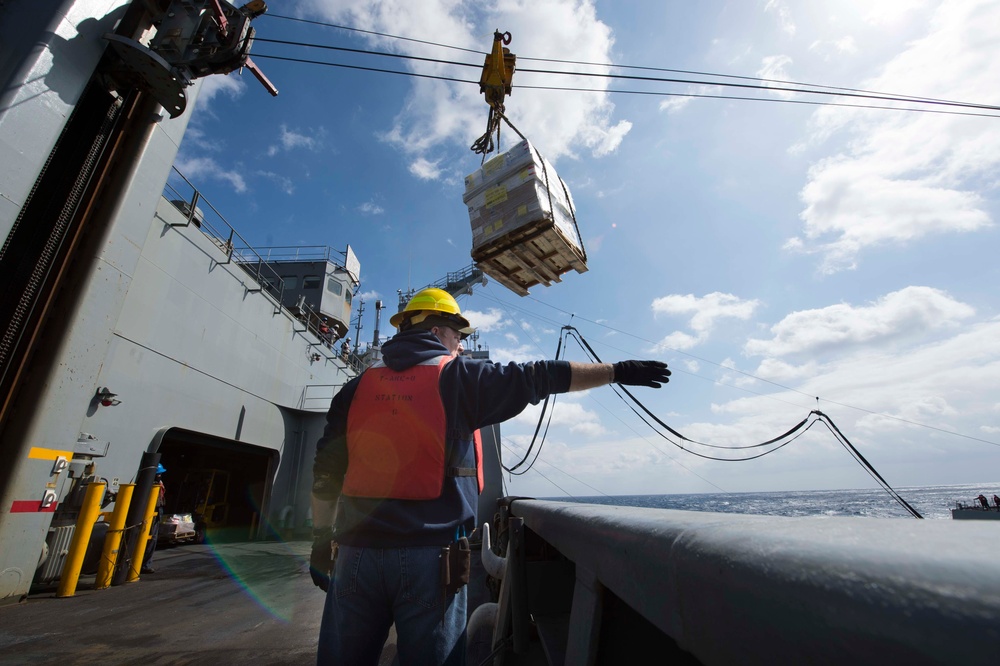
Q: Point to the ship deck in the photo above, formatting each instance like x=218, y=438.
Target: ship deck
x=206, y=604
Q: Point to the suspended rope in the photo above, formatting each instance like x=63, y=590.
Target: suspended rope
x=828, y=422
x=484, y=145
x=793, y=433
x=775, y=443
x=538, y=426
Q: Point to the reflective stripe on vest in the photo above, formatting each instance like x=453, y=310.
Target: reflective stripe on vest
x=396, y=435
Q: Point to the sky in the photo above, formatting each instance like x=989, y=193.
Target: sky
x=782, y=256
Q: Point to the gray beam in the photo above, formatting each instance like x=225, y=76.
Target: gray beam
x=763, y=590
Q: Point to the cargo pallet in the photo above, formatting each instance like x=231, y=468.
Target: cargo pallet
x=536, y=253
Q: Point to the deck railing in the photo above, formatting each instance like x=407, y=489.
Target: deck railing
x=256, y=263
x=605, y=582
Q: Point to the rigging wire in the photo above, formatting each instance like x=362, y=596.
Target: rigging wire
x=495, y=430
x=553, y=322
x=790, y=389
x=806, y=102
x=815, y=416
x=875, y=96
x=563, y=490
x=791, y=435
x=368, y=32
x=263, y=56
x=401, y=56
x=359, y=67
x=764, y=85
x=837, y=89
x=828, y=422
x=538, y=426
x=730, y=76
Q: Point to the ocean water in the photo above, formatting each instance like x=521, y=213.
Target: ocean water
x=934, y=502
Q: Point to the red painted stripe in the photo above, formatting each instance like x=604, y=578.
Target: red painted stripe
x=31, y=506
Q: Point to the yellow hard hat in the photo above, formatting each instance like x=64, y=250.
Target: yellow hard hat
x=432, y=301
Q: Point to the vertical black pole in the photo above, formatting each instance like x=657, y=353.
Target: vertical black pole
x=136, y=513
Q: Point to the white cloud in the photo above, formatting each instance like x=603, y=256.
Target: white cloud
x=705, y=312
x=206, y=168
x=490, y=321
x=784, y=14
x=674, y=105
x=425, y=169
x=782, y=372
x=292, y=139
x=906, y=176
x=905, y=313
x=285, y=183
x=835, y=48
x=775, y=68
x=519, y=354
x=440, y=113
x=212, y=86
x=370, y=208
x=888, y=12
x=679, y=340
x=568, y=413
x=922, y=382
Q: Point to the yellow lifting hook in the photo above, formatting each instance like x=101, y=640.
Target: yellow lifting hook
x=498, y=70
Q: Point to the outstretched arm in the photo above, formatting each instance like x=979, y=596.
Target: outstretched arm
x=585, y=376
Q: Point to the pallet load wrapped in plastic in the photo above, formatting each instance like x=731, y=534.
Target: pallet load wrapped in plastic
x=524, y=230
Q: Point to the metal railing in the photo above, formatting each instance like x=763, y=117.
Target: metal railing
x=454, y=282
x=281, y=253
x=743, y=589
x=186, y=198
x=256, y=262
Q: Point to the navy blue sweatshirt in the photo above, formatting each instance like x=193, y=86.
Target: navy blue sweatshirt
x=476, y=394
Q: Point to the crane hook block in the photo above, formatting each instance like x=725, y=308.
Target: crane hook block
x=498, y=71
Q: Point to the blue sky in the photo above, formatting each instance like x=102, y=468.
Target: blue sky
x=771, y=253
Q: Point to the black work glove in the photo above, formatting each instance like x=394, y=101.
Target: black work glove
x=641, y=373
x=321, y=558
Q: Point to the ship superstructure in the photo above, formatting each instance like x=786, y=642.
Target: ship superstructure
x=135, y=321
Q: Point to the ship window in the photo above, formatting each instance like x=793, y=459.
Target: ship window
x=291, y=281
x=311, y=282
x=334, y=287
x=347, y=296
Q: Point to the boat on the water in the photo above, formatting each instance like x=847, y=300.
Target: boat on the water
x=980, y=509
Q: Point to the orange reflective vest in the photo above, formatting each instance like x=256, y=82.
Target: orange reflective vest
x=396, y=434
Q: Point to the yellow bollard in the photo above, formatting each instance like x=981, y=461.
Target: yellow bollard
x=139, y=549
x=106, y=568
x=91, y=508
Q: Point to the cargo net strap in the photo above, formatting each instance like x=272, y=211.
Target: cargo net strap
x=484, y=145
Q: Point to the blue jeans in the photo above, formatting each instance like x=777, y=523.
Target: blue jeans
x=372, y=588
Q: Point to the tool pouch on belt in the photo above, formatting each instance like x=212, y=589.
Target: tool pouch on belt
x=456, y=564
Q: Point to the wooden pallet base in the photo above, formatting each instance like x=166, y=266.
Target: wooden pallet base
x=533, y=254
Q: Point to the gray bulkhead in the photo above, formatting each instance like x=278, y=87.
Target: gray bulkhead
x=49, y=53
x=198, y=356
